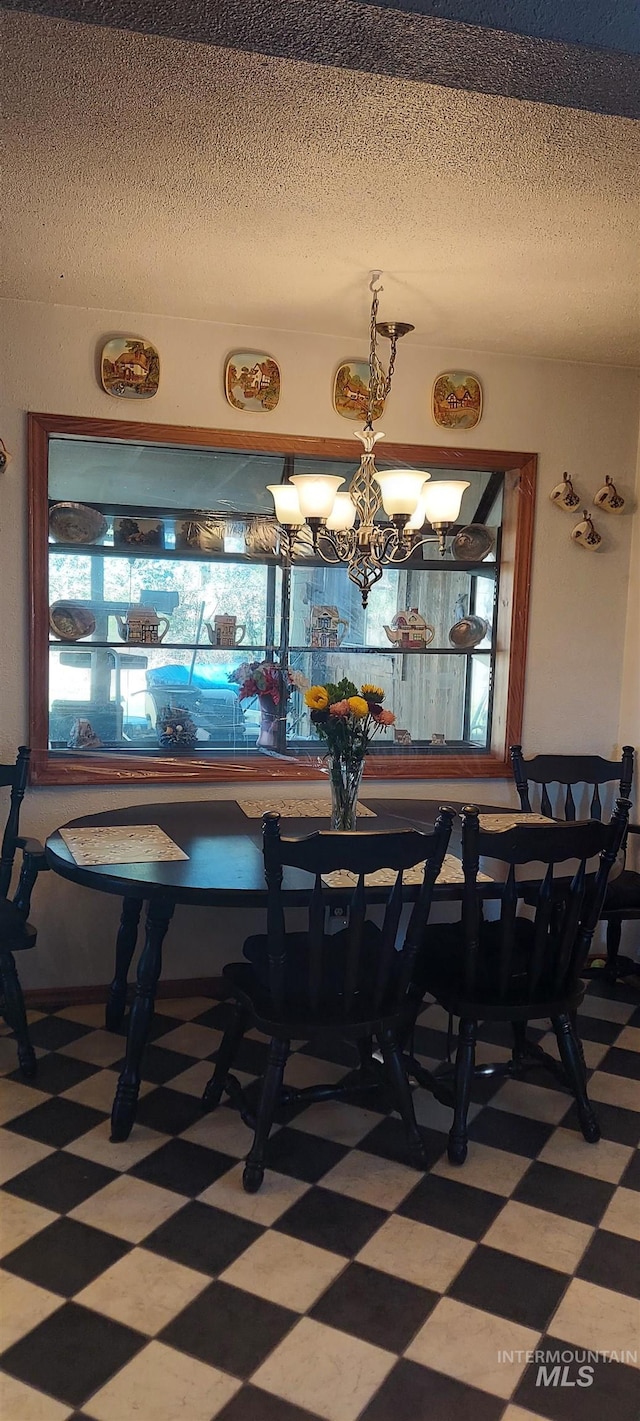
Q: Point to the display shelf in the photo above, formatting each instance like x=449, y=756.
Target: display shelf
x=87, y=645
x=106, y=550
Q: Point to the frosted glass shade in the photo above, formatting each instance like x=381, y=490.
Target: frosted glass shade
x=442, y=500
x=401, y=489
x=285, y=498
x=343, y=513
x=316, y=493
x=417, y=519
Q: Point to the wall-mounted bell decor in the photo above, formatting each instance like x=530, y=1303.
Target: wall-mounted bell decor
x=456, y=401
x=608, y=497
x=584, y=533
x=564, y=495
x=130, y=368
x=252, y=381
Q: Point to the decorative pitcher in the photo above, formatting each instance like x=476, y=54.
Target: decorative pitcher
x=225, y=631
x=323, y=628
x=141, y=626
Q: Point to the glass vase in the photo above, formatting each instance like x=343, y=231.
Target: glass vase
x=345, y=775
x=269, y=716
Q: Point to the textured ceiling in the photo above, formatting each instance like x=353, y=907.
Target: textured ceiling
x=408, y=39
x=151, y=175
x=614, y=25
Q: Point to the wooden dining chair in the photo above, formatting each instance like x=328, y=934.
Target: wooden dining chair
x=519, y=969
x=622, y=899
x=353, y=985
x=16, y=933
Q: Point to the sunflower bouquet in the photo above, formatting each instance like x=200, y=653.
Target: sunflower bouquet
x=348, y=719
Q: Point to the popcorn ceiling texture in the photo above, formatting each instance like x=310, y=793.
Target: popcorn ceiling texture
x=148, y=174
x=615, y=25
x=387, y=41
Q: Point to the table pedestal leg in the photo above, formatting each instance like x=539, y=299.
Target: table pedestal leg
x=159, y=916
x=125, y=948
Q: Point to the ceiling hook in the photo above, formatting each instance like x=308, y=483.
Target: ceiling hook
x=375, y=276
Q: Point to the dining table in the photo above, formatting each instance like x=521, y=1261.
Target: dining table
x=223, y=867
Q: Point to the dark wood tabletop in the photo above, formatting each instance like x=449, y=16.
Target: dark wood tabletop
x=224, y=848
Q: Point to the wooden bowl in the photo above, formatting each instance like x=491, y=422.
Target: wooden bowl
x=69, y=622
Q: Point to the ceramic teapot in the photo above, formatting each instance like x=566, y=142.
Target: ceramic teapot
x=141, y=626
x=323, y=628
x=225, y=631
x=409, y=629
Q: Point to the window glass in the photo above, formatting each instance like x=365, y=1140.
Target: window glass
x=183, y=587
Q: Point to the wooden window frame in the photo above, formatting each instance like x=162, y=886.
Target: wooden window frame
x=520, y=469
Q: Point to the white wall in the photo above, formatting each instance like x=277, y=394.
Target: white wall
x=581, y=418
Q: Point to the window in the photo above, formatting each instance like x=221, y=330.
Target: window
x=178, y=585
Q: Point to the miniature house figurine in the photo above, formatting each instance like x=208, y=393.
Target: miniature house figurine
x=323, y=628
x=409, y=631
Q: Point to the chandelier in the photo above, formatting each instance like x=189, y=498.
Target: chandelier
x=343, y=526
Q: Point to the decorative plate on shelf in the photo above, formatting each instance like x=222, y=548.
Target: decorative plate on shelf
x=76, y=523
x=130, y=368
x=472, y=544
x=468, y=632
x=69, y=622
x=252, y=381
x=351, y=391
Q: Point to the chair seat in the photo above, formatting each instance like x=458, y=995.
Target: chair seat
x=441, y=969
x=15, y=932
x=623, y=893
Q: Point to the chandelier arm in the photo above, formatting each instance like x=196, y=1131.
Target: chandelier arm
x=335, y=542
x=405, y=550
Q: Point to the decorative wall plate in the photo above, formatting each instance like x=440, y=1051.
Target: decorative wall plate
x=138, y=533
x=76, y=523
x=252, y=381
x=351, y=391
x=69, y=622
x=130, y=368
x=468, y=632
x=456, y=400
x=472, y=544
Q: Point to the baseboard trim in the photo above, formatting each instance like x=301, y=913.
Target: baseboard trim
x=79, y=996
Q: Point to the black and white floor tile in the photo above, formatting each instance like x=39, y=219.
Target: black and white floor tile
x=140, y=1283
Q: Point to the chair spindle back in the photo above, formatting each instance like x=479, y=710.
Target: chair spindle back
x=16, y=776
x=570, y=771
x=566, y=909
x=360, y=984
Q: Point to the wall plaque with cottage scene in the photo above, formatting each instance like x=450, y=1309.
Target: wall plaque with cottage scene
x=252, y=381
x=457, y=400
x=351, y=391
x=130, y=368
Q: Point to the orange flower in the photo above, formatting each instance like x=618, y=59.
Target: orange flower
x=383, y=717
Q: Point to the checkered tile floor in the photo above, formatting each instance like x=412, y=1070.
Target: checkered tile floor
x=140, y=1283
